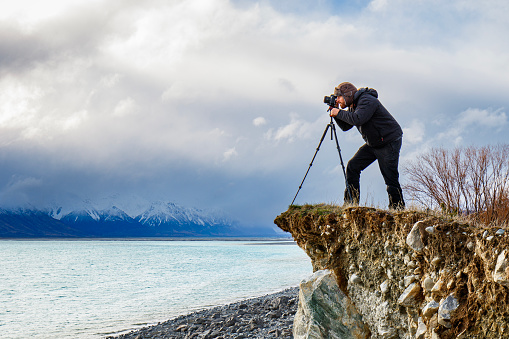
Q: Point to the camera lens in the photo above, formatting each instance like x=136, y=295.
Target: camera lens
x=330, y=100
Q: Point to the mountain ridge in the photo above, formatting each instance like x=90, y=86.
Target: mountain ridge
x=160, y=219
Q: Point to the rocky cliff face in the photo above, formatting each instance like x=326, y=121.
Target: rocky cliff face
x=407, y=274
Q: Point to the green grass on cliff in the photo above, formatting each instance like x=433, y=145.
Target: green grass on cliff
x=324, y=209
x=316, y=209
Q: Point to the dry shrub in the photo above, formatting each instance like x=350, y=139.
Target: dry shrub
x=466, y=181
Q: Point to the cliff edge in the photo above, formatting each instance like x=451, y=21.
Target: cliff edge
x=407, y=274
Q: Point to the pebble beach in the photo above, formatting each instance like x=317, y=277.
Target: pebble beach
x=269, y=316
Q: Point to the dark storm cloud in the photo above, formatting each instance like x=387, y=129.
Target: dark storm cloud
x=18, y=50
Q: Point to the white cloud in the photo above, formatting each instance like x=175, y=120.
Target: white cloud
x=471, y=125
x=483, y=117
x=377, y=5
x=18, y=103
x=75, y=120
x=110, y=80
x=260, y=121
x=296, y=129
x=125, y=107
x=32, y=12
x=415, y=132
x=229, y=154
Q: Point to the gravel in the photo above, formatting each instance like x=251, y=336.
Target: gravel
x=269, y=316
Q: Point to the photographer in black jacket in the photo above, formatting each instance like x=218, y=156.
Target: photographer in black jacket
x=380, y=131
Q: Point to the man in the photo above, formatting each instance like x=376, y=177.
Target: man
x=380, y=131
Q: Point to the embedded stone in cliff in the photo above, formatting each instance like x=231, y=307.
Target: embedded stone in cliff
x=388, y=333
x=501, y=273
x=414, y=238
x=325, y=311
x=421, y=329
x=410, y=296
x=355, y=279
x=436, y=261
x=384, y=287
x=438, y=288
x=446, y=310
x=428, y=284
x=409, y=279
x=430, y=309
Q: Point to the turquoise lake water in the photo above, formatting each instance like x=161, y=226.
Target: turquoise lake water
x=91, y=289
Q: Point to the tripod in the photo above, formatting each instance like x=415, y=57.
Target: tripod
x=333, y=133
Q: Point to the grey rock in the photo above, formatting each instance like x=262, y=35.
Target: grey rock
x=408, y=280
x=446, y=310
x=436, y=261
x=410, y=295
x=355, y=279
x=324, y=311
x=428, y=284
x=384, y=287
x=430, y=309
x=421, y=329
x=388, y=333
x=414, y=238
x=225, y=321
x=500, y=273
x=438, y=287
x=231, y=321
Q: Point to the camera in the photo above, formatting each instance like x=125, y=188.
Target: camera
x=330, y=100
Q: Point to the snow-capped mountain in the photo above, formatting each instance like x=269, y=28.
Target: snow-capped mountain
x=162, y=213
x=159, y=219
x=89, y=214
x=171, y=219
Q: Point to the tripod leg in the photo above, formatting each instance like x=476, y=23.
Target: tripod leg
x=348, y=189
x=311, y=164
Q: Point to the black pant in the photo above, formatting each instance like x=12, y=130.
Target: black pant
x=388, y=158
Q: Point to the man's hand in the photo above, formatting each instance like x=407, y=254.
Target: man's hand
x=334, y=112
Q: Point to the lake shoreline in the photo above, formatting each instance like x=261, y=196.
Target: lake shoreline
x=267, y=316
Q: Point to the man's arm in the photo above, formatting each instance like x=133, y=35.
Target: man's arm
x=363, y=112
x=342, y=124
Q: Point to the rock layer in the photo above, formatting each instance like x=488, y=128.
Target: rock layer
x=409, y=274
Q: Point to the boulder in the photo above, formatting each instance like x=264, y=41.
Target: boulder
x=324, y=311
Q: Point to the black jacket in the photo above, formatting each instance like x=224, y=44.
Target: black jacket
x=376, y=125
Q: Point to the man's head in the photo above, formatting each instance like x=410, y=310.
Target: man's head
x=347, y=91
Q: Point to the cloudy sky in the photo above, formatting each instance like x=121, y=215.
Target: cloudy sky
x=218, y=104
